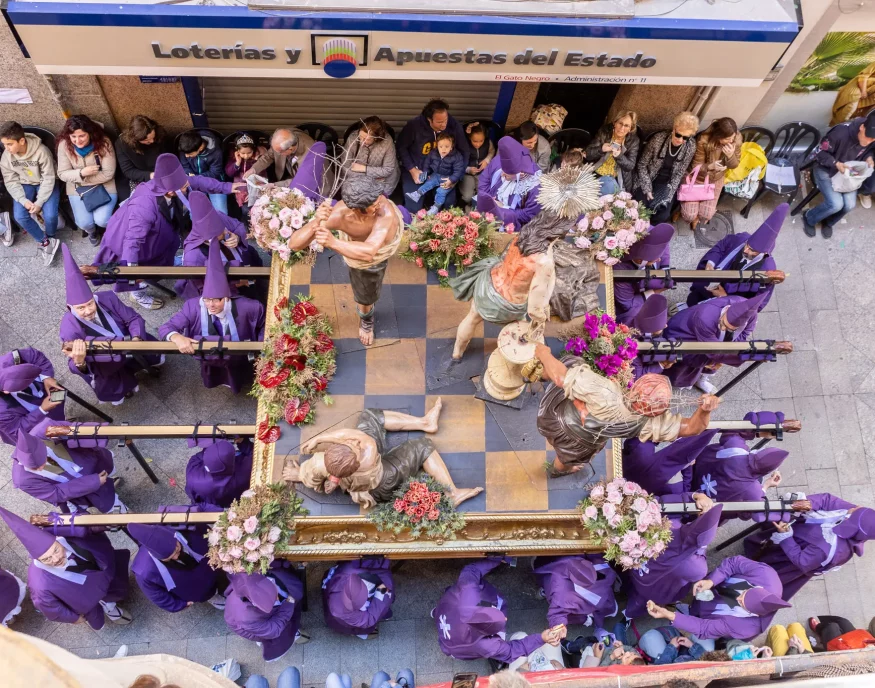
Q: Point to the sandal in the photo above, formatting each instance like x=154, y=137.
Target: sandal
x=553, y=472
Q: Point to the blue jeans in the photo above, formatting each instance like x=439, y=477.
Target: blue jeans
x=408, y=185
x=87, y=220
x=220, y=202
x=609, y=185
x=290, y=678
x=434, y=182
x=381, y=679
x=50, y=212
x=835, y=205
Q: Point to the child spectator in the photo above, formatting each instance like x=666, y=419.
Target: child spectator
x=666, y=645
x=444, y=167
x=573, y=157
x=245, y=155
x=202, y=156
x=482, y=152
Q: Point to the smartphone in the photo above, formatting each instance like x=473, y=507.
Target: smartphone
x=464, y=680
x=58, y=395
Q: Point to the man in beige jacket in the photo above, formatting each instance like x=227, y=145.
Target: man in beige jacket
x=288, y=148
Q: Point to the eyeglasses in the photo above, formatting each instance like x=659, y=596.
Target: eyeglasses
x=682, y=137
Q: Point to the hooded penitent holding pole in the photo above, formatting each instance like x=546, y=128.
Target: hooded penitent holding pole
x=100, y=316
x=744, y=251
x=653, y=251
x=508, y=187
x=217, y=314
x=664, y=471
x=578, y=588
x=74, y=576
x=357, y=596
x=25, y=390
x=219, y=473
x=650, y=321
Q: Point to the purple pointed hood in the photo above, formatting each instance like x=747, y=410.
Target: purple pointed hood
x=514, y=156
x=766, y=460
x=761, y=602
x=206, y=223
x=35, y=540
x=29, y=451
x=858, y=528
x=763, y=240
x=650, y=247
x=218, y=458
x=259, y=590
x=484, y=621
x=159, y=540
x=701, y=531
x=169, y=175
x=741, y=313
x=216, y=282
x=653, y=316
x=18, y=377
x=354, y=593
x=78, y=291
x=581, y=572
x=308, y=179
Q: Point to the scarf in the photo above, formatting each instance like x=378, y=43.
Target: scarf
x=226, y=318
x=115, y=330
x=61, y=571
x=511, y=191
x=84, y=151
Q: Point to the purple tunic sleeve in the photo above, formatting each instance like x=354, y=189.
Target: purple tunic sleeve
x=824, y=501
x=473, y=574
x=274, y=625
x=59, y=493
x=508, y=650
x=37, y=358
x=807, y=558
x=208, y=185
x=180, y=322
x=718, y=252
x=132, y=320
x=51, y=607
x=709, y=628
x=160, y=596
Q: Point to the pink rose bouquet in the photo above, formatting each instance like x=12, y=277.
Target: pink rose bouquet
x=611, y=229
x=275, y=217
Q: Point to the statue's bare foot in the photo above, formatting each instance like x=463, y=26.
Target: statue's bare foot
x=366, y=333
x=430, y=419
x=461, y=495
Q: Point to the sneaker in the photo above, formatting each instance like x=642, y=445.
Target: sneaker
x=414, y=196
x=865, y=201
x=218, y=601
x=433, y=210
x=118, y=616
x=7, y=237
x=302, y=638
x=809, y=229
x=150, y=303
x=826, y=231
x=94, y=239
x=49, y=250
x=705, y=385
x=541, y=594
x=121, y=652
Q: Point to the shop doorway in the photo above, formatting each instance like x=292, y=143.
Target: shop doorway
x=587, y=104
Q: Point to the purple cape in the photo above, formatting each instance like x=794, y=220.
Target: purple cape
x=718, y=253
x=528, y=206
x=9, y=593
x=667, y=470
x=629, y=296
x=234, y=371
x=567, y=604
x=12, y=414
x=204, y=487
x=195, y=255
x=339, y=617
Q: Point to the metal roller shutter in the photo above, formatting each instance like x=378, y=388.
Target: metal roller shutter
x=265, y=104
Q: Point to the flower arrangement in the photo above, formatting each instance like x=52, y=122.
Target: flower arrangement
x=627, y=521
x=259, y=523
x=275, y=217
x=607, y=347
x=422, y=507
x=297, y=361
x=450, y=237
x=610, y=230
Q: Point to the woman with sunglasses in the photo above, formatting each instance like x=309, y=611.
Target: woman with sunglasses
x=662, y=166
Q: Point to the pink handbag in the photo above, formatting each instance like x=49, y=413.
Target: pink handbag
x=689, y=191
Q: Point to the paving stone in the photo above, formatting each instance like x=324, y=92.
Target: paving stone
x=843, y=593
x=850, y=456
x=804, y=374
x=823, y=480
x=795, y=319
x=206, y=651
x=817, y=442
x=843, y=368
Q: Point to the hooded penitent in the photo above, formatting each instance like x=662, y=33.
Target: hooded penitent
x=169, y=175
x=17, y=378
x=653, y=316
x=650, y=247
x=30, y=452
x=78, y=291
x=216, y=282
x=206, y=223
x=35, y=540
x=763, y=240
x=741, y=313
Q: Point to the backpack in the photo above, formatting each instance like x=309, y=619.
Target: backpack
x=744, y=180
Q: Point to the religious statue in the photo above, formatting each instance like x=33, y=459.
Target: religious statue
x=358, y=461
x=855, y=98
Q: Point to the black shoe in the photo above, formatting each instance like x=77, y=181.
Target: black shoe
x=94, y=239
x=826, y=231
x=809, y=229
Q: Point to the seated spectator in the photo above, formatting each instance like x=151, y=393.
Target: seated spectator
x=782, y=641
x=539, y=147
x=136, y=151
x=241, y=161
x=836, y=633
x=288, y=148
x=663, y=165
x=202, y=156
x=548, y=657
x=29, y=174
x=718, y=149
x=614, y=152
x=666, y=645
x=482, y=152
x=589, y=651
x=86, y=162
x=854, y=140
x=444, y=167
x=290, y=678
x=573, y=157
x=416, y=141
x=381, y=679
x=371, y=152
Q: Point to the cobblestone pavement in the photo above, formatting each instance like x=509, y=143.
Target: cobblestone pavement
x=824, y=308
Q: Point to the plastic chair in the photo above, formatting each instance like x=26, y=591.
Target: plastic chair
x=789, y=150
x=493, y=131
x=764, y=137
x=320, y=132
x=564, y=139
x=355, y=126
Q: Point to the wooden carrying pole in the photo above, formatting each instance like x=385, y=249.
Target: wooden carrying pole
x=204, y=347
x=752, y=276
x=665, y=347
x=124, y=273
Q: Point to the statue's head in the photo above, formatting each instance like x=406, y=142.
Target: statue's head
x=340, y=462
x=650, y=395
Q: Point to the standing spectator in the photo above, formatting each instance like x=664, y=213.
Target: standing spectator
x=614, y=152
x=663, y=164
x=416, y=140
x=718, y=149
x=29, y=174
x=86, y=162
x=539, y=147
x=482, y=152
x=371, y=152
x=201, y=156
x=854, y=140
x=288, y=148
x=241, y=161
x=137, y=151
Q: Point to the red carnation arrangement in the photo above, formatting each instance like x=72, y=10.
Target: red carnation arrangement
x=297, y=362
x=423, y=507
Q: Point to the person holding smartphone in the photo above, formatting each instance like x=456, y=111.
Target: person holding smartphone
x=614, y=153
x=26, y=383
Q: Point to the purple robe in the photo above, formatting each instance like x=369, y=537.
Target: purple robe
x=664, y=471
x=568, y=605
x=700, y=324
x=197, y=584
x=14, y=416
x=800, y=558
x=139, y=234
x=460, y=640
x=10, y=593
x=111, y=377
x=630, y=296
x=65, y=601
x=705, y=623
x=235, y=371
x=338, y=616
x=726, y=253
x=528, y=207
x=275, y=630
x=204, y=487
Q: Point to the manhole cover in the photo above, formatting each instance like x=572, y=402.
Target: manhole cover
x=709, y=233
